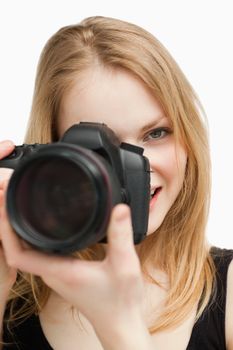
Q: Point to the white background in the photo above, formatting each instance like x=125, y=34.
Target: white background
x=197, y=33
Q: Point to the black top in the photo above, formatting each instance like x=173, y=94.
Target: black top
x=208, y=332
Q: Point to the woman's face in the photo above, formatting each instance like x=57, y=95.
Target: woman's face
x=122, y=102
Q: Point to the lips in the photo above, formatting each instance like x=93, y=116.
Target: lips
x=154, y=191
x=154, y=196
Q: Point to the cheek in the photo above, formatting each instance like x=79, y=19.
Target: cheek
x=169, y=162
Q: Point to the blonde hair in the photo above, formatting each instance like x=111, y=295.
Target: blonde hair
x=179, y=246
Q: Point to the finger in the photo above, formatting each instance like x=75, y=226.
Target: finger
x=1, y=199
x=3, y=190
x=5, y=174
x=26, y=258
x=38, y=263
x=15, y=251
x=3, y=187
x=120, y=236
x=6, y=147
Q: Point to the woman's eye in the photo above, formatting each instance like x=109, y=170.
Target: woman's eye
x=158, y=133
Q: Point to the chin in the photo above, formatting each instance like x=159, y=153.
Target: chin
x=155, y=221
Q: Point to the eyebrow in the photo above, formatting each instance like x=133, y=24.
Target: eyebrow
x=152, y=124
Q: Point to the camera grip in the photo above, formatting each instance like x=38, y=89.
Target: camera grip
x=140, y=204
x=13, y=159
x=137, y=180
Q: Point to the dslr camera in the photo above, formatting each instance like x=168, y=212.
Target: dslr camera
x=60, y=196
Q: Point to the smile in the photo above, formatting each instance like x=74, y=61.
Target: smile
x=154, y=196
x=155, y=191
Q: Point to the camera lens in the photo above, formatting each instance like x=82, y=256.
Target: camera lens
x=60, y=198
x=56, y=197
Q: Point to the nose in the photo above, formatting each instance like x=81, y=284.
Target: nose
x=154, y=159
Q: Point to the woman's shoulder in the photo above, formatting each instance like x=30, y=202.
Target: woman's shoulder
x=221, y=254
x=229, y=307
x=223, y=259
x=211, y=329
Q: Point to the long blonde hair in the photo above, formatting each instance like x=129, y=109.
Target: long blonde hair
x=179, y=245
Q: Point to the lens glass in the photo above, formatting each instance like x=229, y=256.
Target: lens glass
x=56, y=197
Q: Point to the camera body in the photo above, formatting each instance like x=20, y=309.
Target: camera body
x=61, y=194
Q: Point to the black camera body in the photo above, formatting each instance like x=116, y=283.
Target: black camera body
x=61, y=194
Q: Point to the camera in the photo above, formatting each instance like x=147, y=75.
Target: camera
x=61, y=194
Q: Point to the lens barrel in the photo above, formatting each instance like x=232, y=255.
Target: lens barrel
x=60, y=199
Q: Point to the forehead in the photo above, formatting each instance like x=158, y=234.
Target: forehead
x=114, y=97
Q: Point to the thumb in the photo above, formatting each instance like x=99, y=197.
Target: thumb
x=120, y=235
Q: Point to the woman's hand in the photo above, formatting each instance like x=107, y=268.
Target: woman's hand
x=7, y=274
x=108, y=293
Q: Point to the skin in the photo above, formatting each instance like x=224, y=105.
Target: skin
x=114, y=286
x=96, y=100
x=123, y=103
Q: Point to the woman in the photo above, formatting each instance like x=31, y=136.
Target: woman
x=162, y=293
